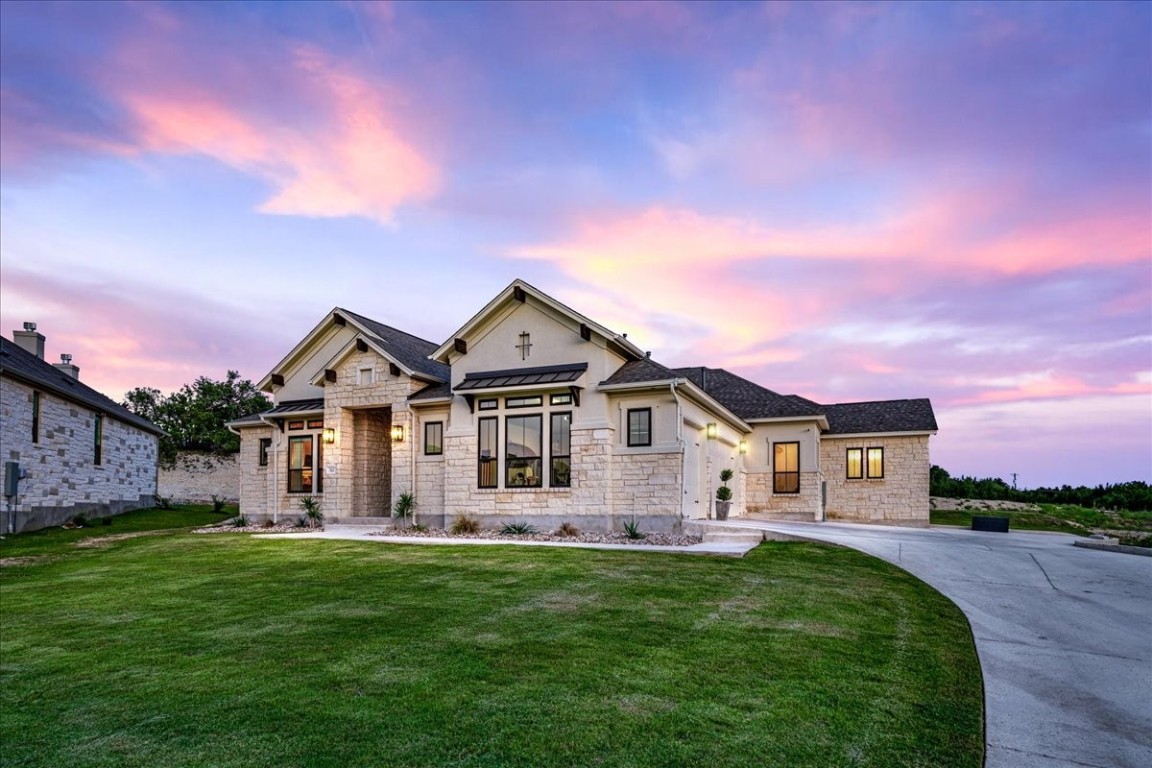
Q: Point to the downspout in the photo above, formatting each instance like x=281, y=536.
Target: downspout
x=412, y=461
x=680, y=442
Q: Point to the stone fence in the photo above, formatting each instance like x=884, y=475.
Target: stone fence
x=197, y=477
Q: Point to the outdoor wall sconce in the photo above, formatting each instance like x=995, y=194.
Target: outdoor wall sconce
x=329, y=435
x=398, y=433
x=710, y=430
x=743, y=447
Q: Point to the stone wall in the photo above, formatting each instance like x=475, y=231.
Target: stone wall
x=900, y=497
x=760, y=501
x=257, y=483
x=63, y=479
x=197, y=477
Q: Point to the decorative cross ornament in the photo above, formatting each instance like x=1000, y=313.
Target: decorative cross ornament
x=524, y=346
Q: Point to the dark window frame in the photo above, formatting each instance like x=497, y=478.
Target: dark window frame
x=98, y=440
x=647, y=412
x=868, y=462
x=264, y=446
x=296, y=425
x=553, y=475
x=778, y=474
x=848, y=464
x=439, y=441
x=310, y=440
x=529, y=401
x=493, y=461
x=509, y=459
x=35, y=416
x=315, y=423
x=560, y=398
x=488, y=404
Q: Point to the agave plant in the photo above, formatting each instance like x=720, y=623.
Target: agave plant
x=518, y=529
x=311, y=507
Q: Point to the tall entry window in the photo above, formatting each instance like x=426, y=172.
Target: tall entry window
x=561, y=439
x=300, y=464
x=786, y=467
x=489, y=452
x=524, y=445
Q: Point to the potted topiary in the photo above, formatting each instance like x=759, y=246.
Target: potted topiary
x=724, y=495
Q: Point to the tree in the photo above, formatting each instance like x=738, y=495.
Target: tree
x=194, y=417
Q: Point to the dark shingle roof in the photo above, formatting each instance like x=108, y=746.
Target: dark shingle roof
x=412, y=351
x=640, y=371
x=22, y=364
x=747, y=399
x=881, y=416
x=433, y=391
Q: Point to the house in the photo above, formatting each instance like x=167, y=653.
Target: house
x=534, y=412
x=80, y=452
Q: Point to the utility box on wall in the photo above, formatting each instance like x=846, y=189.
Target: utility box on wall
x=13, y=474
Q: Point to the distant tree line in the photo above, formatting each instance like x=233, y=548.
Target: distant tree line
x=194, y=416
x=1134, y=496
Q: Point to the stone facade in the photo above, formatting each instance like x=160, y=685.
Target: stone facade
x=899, y=498
x=63, y=478
x=762, y=502
x=197, y=477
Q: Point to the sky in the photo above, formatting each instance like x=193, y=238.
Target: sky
x=844, y=201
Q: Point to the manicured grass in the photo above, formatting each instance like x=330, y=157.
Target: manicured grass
x=218, y=650
x=1065, y=518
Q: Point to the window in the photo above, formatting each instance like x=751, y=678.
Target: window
x=639, y=426
x=265, y=445
x=489, y=452
x=98, y=442
x=524, y=445
x=316, y=424
x=786, y=468
x=489, y=404
x=561, y=450
x=433, y=438
x=319, y=465
x=35, y=416
x=300, y=464
x=875, y=463
x=855, y=463
x=564, y=399
x=365, y=376
x=296, y=425
x=534, y=401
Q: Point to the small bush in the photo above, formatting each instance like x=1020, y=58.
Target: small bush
x=79, y=520
x=404, y=505
x=311, y=507
x=419, y=527
x=518, y=529
x=267, y=523
x=106, y=520
x=301, y=522
x=239, y=521
x=162, y=502
x=567, y=529
x=465, y=524
x=632, y=530
x=217, y=504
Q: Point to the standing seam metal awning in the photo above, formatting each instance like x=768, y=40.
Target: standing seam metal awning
x=519, y=377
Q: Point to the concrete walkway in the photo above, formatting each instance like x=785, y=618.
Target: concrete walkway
x=371, y=533
x=1064, y=635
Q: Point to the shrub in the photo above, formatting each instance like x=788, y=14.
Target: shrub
x=311, y=507
x=301, y=522
x=162, y=502
x=106, y=520
x=404, y=505
x=518, y=529
x=567, y=529
x=239, y=521
x=418, y=527
x=267, y=523
x=465, y=524
x=217, y=504
x=79, y=520
x=632, y=530
x=724, y=493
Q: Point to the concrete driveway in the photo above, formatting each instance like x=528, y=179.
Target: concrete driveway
x=1064, y=636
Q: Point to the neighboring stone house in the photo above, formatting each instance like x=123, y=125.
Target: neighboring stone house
x=82, y=453
x=534, y=412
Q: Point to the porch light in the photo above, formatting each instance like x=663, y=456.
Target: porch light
x=710, y=431
x=743, y=447
x=329, y=435
x=398, y=433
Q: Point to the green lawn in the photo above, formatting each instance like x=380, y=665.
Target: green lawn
x=191, y=650
x=1136, y=527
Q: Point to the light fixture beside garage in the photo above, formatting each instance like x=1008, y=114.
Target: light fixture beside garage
x=398, y=433
x=743, y=447
x=710, y=430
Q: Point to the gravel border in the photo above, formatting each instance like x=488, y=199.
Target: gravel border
x=651, y=539
x=281, y=528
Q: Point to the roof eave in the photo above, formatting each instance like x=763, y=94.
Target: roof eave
x=874, y=433
x=820, y=419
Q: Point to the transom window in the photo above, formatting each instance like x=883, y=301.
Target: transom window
x=296, y=425
x=561, y=399
x=489, y=404
x=315, y=423
x=433, y=438
x=786, y=467
x=530, y=401
x=639, y=426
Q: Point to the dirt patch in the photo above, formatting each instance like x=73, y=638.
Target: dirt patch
x=103, y=541
x=6, y=562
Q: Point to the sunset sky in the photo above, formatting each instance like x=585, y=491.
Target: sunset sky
x=848, y=202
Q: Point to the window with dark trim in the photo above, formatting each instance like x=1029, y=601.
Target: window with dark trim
x=98, y=440
x=639, y=426
x=296, y=425
x=300, y=464
x=265, y=445
x=786, y=467
x=855, y=463
x=875, y=463
x=433, y=438
x=488, y=452
x=35, y=416
x=528, y=401
x=524, y=450
x=319, y=470
x=315, y=423
x=560, y=399
x=489, y=404
x=560, y=437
